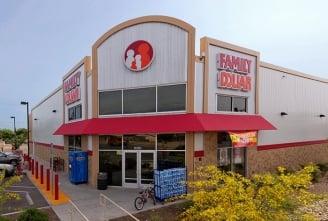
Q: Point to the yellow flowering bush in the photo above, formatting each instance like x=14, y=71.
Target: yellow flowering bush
x=218, y=195
x=4, y=185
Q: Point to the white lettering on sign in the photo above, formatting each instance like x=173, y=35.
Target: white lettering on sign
x=233, y=72
x=72, y=90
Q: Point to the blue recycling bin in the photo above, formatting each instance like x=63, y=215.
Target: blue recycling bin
x=78, y=167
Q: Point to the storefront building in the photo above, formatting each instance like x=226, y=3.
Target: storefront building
x=145, y=101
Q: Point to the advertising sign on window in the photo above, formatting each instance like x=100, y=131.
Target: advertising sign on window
x=223, y=157
x=243, y=139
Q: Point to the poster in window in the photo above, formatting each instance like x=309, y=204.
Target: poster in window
x=237, y=158
x=223, y=154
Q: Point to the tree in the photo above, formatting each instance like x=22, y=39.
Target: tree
x=219, y=195
x=10, y=137
x=4, y=185
x=7, y=135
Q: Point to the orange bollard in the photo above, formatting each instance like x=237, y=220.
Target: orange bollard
x=37, y=170
x=41, y=174
x=32, y=166
x=56, y=187
x=48, y=180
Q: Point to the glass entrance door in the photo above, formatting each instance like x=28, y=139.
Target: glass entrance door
x=138, y=168
x=131, y=163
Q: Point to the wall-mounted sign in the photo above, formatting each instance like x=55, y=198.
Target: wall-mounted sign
x=233, y=72
x=243, y=139
x=138, y=55
x=72, y=90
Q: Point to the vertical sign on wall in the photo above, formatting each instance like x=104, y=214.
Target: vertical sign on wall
x=72, y=90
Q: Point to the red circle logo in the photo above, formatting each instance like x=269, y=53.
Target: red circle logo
x=138, y=55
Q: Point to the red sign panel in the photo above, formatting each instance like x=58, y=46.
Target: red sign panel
x=72, y=90
x=234, y=72
x=138, y=55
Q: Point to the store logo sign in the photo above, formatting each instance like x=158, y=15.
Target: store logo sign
x=138, y=55
x=72, y=90
x=233, y=72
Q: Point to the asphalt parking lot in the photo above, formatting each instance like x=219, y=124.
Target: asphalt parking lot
x=30, y=197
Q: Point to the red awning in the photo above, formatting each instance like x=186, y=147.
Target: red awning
x=173, y=123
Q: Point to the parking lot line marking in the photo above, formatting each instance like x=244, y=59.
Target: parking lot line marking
x=12, y=213
x=124, y=210
x=27, y=187
x=75, y=206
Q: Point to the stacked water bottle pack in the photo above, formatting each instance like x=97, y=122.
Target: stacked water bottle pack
x=170, y=183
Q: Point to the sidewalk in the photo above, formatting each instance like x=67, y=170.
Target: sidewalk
x=82, y=202
x=86, y=198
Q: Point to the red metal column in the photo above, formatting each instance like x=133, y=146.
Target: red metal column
x=48, y=180
x=41, y=174
x=56, y=187
x=29, y=164
x=32, y=166
x=37, y=170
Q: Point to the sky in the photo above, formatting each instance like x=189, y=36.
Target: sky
x=41, y=40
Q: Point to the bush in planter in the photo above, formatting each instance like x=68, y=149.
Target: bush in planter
x=220, y=196
x=33, y=215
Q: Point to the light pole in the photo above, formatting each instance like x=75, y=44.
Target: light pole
x=15, y=144
x=12, y=117
x=28, y=126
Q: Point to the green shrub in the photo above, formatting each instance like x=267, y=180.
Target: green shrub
x=323, y=167
x=33, y=215
x=222, y=196
x=4, y=218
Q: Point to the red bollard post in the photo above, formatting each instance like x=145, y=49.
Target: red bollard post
x=29, y=164
x=32, y=166
x=41, y=174
x=37, y=170
x=48, y=180
x=56, y=187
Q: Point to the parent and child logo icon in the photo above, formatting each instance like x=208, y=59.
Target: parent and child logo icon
x=138, y=55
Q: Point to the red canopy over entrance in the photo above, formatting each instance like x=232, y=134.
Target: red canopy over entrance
x=173, y=123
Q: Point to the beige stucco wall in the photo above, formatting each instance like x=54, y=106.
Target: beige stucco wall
x=43, y=153
x=291, y=157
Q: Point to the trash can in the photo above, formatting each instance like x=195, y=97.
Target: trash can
x=102, y=181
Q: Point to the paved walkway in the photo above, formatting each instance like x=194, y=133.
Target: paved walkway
x=87, y=200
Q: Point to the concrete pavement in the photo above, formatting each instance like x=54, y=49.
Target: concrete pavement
x=87, y=200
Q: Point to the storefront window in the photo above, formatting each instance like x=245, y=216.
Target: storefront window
x=239, y=104
x=110, y=102
x=110, y=142
x=224, y=140
x=170, y=159
x=74, y=143
x=111, y=163
x=230, y=158
x=171, y=98
x=231, y=103
x=139, y=142
x=171, y=141
x=224, y=103
x=141, y=100
x=75, y=112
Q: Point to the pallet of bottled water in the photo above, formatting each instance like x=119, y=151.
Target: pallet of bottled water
x=170, y=183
